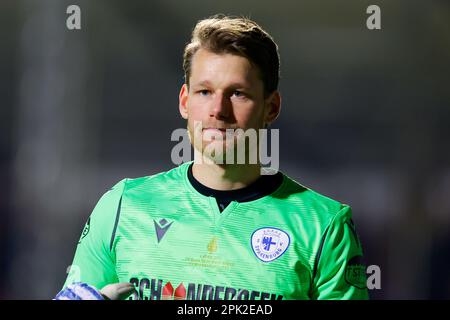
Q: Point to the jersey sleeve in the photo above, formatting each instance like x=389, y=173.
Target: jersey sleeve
x=94, y=261
x=340, y=272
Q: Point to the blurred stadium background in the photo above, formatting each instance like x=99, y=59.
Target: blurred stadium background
x=365, y=120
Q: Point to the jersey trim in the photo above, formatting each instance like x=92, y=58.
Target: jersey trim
x=352, y=229
x=113, y=235
x=319, y=253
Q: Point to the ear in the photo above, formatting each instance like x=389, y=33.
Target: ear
x=182, y=101
x=272, y=107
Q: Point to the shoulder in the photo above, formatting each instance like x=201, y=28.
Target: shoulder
x=129, y=195
x=170, y=180
x=313, y=205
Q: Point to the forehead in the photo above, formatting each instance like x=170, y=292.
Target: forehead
x=223, y=68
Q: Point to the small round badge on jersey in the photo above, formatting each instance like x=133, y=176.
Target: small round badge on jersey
x=269, y=243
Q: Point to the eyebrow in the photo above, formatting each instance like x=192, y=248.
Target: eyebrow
x=207, y=83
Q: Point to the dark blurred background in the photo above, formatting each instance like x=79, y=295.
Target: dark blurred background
x=365, y=120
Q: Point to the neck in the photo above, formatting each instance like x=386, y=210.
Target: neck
x=226, y=176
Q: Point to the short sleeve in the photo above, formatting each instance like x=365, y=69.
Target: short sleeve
x=340, y=273
x=94, y=261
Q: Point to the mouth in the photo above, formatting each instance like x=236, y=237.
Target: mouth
x=215, y=132
x=216, y=129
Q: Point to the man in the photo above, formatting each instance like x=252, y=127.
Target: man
x=216, y=229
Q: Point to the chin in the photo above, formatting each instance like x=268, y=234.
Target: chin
x=208, y=149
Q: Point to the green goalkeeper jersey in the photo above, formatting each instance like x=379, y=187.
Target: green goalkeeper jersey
x=172, y=242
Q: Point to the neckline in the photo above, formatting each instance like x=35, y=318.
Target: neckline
x=263, y=186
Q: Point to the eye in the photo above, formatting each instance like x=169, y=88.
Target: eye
x=238, y=94
x=203, y=92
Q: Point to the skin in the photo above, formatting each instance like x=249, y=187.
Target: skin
x=117, y=291
x=225, y=91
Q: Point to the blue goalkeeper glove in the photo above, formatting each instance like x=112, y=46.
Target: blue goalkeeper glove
x=84, y=291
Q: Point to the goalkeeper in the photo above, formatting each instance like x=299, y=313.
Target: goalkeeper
x=208, y=230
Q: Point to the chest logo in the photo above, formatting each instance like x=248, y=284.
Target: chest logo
x=269, y=243
x=161, y=228
x=212, y=245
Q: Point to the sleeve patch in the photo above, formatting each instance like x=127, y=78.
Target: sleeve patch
x=355, y=272
x=86, y=229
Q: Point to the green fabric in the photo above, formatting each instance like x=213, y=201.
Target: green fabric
x=206, y=254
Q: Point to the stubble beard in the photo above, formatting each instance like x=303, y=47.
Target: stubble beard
x=213, y=149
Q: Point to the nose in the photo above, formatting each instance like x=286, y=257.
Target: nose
x=220, y=107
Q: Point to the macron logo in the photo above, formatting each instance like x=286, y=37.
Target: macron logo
x=161, y=228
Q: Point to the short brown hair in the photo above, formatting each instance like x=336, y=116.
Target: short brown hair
x=240, y=36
